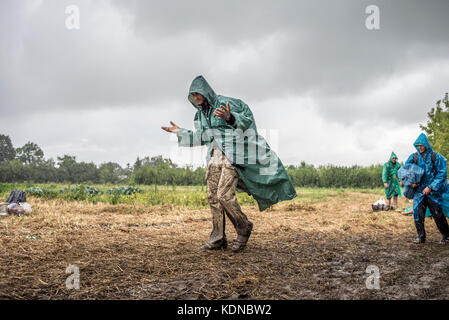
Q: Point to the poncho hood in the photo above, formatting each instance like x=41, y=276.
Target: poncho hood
x=422, y=140
x=200, y=85
x=393, y=155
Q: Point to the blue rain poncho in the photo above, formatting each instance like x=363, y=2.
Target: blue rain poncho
x=435, y=177
x=410, y=174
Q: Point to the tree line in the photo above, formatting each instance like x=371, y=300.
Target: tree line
x=27, y=164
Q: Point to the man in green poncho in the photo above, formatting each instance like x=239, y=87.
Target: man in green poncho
x=237, y=157
x=391, y=181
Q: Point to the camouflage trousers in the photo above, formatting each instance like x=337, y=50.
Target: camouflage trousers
x=222, y=178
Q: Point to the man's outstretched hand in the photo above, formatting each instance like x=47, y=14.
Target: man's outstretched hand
x=224, y=112
x=174, y=128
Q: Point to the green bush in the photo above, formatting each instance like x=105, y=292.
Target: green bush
x=47, y=193
x=124, y=190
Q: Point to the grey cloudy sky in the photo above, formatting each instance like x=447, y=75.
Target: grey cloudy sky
x=324, y=87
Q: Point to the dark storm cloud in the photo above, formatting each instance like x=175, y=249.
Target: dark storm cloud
x=323, y=48
x=46, y=66
x=320, y=48
x=314, y=56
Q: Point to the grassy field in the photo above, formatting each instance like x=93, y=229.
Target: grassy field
x=316, y=246
x=192, y=197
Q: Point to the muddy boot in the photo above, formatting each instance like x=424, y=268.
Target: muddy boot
x=441, y=222
x=442, y=225
x=421, y=232
x=419, y=240
x=220, y=245
x=240, y=243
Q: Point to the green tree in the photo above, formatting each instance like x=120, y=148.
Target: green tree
x=13, y=171
x=76, y=172
x=437, y=127
x=29, y=154
x=66, y=166
x=137, y=164
x=111, y=172
x=86, y=172
x=156, y=161
x=7, y=151
x=45, y=171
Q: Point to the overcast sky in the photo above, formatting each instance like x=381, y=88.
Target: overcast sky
x=322, y=87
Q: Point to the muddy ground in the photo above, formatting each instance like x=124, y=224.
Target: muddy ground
x=309, y=248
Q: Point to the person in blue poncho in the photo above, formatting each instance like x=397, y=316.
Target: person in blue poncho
x=433, y=190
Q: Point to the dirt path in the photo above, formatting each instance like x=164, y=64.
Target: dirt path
x=305, y=249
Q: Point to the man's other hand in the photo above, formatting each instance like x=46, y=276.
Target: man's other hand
x=224, y=112
x=385, y=185
x=174, y=128
x=426, y=190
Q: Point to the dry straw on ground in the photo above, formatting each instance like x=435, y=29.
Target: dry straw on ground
x=303, y=249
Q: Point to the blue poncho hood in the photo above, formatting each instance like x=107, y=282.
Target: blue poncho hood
x=423, y=141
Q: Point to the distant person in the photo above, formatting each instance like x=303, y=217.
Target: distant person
x=433, y=190
x=391, y=181
x=222, y=122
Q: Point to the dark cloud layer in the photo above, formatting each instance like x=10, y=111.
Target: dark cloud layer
x=141, y=55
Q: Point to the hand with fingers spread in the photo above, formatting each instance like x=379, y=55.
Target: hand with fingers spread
x=173, y=129
x=224, y=112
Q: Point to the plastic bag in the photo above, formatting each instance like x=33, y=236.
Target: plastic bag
x=4, y=209
x=410, y=174
x=379, y=205
x=19, y=209
x=26, y=207
x=380, y=201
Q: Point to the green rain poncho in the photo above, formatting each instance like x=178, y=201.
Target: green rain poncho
x=390, y=176
x=261, y=172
